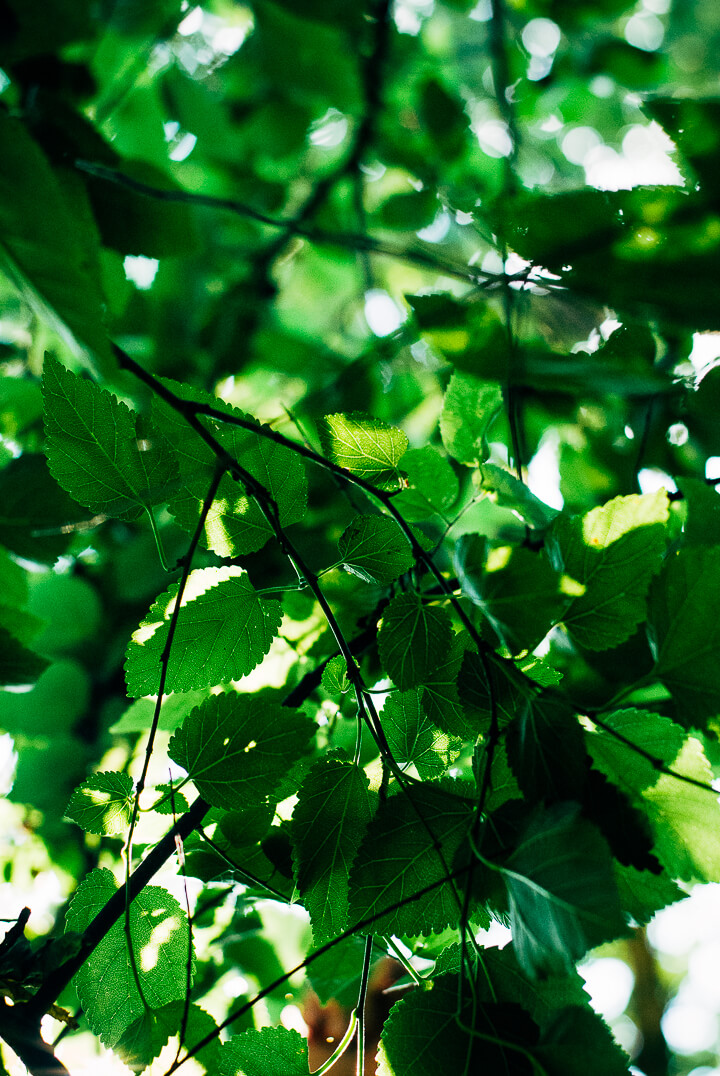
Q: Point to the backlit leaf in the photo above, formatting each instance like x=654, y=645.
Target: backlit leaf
x=103, y=803
x=272, y=1051
x=366, y=446
x=223, y=631
x=469, y=408
x=105, y=983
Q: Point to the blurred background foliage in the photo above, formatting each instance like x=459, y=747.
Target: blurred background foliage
x=388, y=169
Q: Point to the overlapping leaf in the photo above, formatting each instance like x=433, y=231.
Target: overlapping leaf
x=412, y=738
x=686, y=630
x=375, y=549
x=332, y=814
x=414, y=842
x=235, y=523
x=469, y=408
x=224, y=630
x=236, y=748
x=562, y=892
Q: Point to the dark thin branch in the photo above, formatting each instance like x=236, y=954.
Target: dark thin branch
x=293, y=227
x=359, y=928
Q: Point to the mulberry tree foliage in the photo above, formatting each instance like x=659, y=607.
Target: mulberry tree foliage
x=359, y=542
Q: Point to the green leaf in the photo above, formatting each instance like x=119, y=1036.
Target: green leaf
x=441, y=700
x=561, y=889
x=433, y=486
x=272, y=1051
x=103, y=803
x=413, y=639
x=237, y=748
x=468, y=410
x=334, y=676
x=412, y=738
x=613, y=552
x=640, y=733
x=375, y=549
x=96, y=449
x=336, y=974
x=702, y=525
x=46, y=243
x=515, y=588
x=426, y=1035
x=18, y=665
x=685, y=818
x=546, y=749
x=171, y=801
x=329, y=821
x=642, y=893
x=223, y=631
x=105, y=983
x=139, y=715
x=399, y=857
x=365, y=446
x=686, y=632
x=145, y=1038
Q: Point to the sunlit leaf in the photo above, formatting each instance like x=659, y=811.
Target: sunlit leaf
x=375, y=549
x=365, y=446
x=103, y=803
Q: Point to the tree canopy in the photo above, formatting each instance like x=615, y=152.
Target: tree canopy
x=359, y=549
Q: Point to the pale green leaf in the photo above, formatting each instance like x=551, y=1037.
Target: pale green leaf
x=685, y=819
x=329, y=821
x=402, y=855
x=413, y=639
x=105, y=983
x=686, y=630
x=334, y=676
x=103, y=803
x=365, y=446
x=612, y=552
x=469, y=408
x=97, y=451
x=561, y=890
x=223, y=631
x=237, y=748
x=413, y=739
x=375, y=549
x=272, y=1051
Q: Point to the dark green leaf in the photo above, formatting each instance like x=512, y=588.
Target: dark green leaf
x=433, y=485
x=37, y=518
x=332, y=814
x=411, y=737
x=47, y=244
x=272, y=1051
x=237, y=748
x=686, y=630
x=402, y=855
x=18, y=665
x=375, y=549
x=562, y=892
x=413, y=639
x=96, y=450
